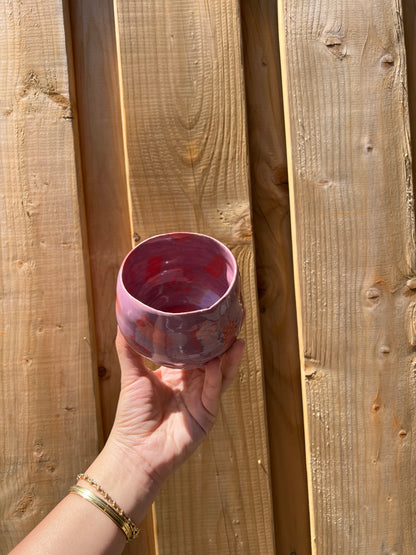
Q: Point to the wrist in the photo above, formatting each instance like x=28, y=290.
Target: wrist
x=128, y=481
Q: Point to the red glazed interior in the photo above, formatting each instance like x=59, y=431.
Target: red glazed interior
x=179, y=272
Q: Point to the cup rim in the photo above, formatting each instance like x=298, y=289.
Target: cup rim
x=180, y=314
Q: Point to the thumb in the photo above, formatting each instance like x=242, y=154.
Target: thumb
x=131, y=363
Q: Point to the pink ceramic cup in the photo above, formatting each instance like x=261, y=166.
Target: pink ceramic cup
x=178, y=299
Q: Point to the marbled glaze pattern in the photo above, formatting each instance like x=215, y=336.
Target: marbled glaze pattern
x=179, y=299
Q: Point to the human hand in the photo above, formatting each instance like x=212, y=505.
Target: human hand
x=163, y=415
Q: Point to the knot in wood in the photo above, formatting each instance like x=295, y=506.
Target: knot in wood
x=373, y=295
x=334, y=44
x=387, y=60
x=332, y=40
x=411, y=284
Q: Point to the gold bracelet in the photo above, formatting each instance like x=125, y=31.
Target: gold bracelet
x=124, y=523
x=110, y=500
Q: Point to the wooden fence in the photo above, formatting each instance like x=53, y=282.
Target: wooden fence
x=117, y=123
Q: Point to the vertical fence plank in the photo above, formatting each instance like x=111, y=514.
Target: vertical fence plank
x=105, y=192
x=271, y=222
x=48, y=418
x=185, y=130
x=409, y=23
x=344, y=72
x=104, y=179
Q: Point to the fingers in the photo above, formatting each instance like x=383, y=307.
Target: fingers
x=230, y=362
x=219, y=374
x=131, y=363
x=211, y=390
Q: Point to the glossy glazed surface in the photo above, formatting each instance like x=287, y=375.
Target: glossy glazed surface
x=178, y=299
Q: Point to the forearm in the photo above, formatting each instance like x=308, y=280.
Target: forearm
x=73, y=526
x=77, y=526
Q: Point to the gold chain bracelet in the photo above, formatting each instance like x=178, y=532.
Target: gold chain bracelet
x=107, y=506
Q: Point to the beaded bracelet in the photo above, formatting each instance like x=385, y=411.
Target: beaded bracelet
x=109, y=506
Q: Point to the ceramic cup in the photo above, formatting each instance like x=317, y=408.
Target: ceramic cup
x=178, y=299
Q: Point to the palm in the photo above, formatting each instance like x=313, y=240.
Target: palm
x=163, y=415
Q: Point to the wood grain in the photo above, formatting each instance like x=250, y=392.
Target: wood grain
x=105, y=191
x=344, y=77
x=271, y=220
x=185, y=135
x=409, y=23
x=48, y=423
x=103, y=169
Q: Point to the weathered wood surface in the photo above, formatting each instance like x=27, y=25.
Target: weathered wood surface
x=105, y=191
x=103, y=169
x=344, y=77
x=271, y=222
x=185, y=131
x=47, y=403
x=409, y=23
